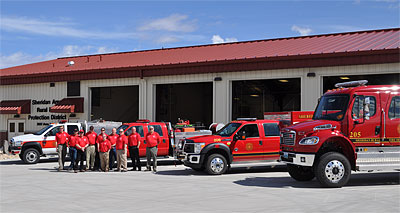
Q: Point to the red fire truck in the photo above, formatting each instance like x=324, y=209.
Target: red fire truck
x=246, y=140
x=354, y=127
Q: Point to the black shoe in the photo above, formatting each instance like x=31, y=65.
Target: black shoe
x=132, y=170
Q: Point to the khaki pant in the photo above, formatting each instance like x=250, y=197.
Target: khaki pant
x=121, y=160
x=62, y=152
x=90, y=156
x=104, y=160
x=151, y=152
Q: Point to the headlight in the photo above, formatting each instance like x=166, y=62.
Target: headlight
x=309, y=141
x=198, y=147
x=17, y=143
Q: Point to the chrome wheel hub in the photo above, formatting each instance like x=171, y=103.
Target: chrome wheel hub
x=217, y=165
x=31, y=156
x=334, y=171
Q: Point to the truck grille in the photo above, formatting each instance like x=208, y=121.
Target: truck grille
x=288, y=138
x=188, y=148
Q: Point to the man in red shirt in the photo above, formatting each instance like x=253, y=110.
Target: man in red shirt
x=81, y=144
x=98, y=140
x=121, y=146
x=153, y=139
x=113, y=152
x=91, y=150
x=104, y=148
x=72, y=149
x=133, y=146
x=62, y=142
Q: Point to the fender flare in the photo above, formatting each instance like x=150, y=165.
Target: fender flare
x=348, y=147
x=32, y=144
x=219, y=146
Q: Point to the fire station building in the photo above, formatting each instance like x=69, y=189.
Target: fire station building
x=204, y=84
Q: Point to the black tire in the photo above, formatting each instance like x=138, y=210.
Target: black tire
x=300, y=173
x=333, y=170
x=216, y=164
x=31, y=156
x=21, y=157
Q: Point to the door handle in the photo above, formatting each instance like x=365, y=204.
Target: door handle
x=377, y=130
x=260, y=142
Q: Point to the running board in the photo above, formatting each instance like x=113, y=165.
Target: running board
x=378, y=158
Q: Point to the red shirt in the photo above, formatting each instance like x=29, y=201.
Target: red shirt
x=61, y=138
x=104, y=145
x=113, y=139
x=73, y=140
x=91, y=137
x=82, y=141
x=121, y=141
x=152, y=139
x=100, y=138
x=133, y=139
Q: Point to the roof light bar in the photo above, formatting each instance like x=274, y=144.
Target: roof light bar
x=246, y=119
x=351, y=83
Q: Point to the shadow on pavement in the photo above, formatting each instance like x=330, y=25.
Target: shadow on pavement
x=20, y=162
x=235, y=170
x=369, y=179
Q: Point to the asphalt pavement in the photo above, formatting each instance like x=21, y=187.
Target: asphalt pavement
x=255, y=188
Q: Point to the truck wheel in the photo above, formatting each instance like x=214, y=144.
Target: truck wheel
x=31, y=156
x=333, y=170
x=216, y=164
x=300, y=173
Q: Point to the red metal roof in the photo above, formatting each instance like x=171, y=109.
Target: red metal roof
x=68, y=105
x=155, y=62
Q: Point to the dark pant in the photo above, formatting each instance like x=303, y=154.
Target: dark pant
x=134, y=154
x=73, y=155
x=97, y=160
x=113, y=157
x=80, y=157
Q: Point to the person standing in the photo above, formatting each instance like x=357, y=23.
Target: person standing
x=133, y=146
x=98, y=140
x=82, y=143
x=104, y=149
x=72, y=149
x=113, y=152
x=62, y=142
x=91, y=150
x=153, y=139
x=121, y=146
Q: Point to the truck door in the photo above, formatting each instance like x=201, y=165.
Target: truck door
x=392, y=121
x=49, y=139
x=365, y=132
x=251, y=148
x=271, y=141
x=140, y=130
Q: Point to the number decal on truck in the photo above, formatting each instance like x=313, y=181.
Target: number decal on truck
x=355, y=134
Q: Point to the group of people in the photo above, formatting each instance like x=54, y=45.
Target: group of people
x=100, y=150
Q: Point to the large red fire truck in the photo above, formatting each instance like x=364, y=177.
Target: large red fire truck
x=355, y=127
x=245, y=140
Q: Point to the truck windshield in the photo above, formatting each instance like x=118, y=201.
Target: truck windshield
x=331, y=108
x=122, y=127
x=43, y=130
x=228, y=129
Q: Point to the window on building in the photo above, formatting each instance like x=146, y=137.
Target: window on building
x=394, y=108
x=12, y=127
x=21, y=127
x=271, y=129
x=73, y=88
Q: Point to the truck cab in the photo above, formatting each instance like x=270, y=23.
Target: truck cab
x=241, y=141
x=354, y=127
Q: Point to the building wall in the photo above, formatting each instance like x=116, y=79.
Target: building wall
x=311, y=89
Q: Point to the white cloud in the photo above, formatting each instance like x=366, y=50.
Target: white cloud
x=172, y=23
x=53, y=28
x=302, y=30
x=167, y=39
x=217, y=39
x=20, y=58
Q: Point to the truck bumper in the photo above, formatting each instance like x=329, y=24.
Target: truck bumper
x=297, y=158
x=192, y=160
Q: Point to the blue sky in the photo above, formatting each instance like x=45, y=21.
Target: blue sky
x=33, y=31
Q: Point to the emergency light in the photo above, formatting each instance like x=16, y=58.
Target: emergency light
x=351, y=83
